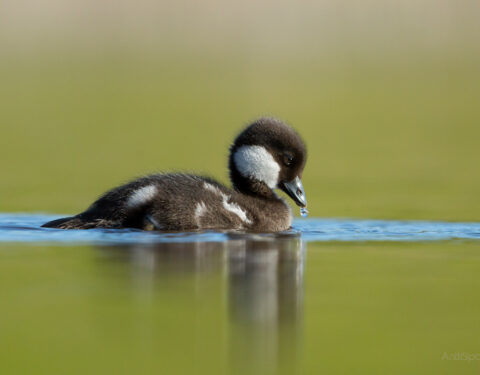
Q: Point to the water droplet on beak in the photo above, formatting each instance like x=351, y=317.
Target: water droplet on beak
x=303, y=211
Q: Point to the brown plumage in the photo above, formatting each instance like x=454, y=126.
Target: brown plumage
x=268, y=154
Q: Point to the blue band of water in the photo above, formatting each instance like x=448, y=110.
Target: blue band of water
x=26, y=228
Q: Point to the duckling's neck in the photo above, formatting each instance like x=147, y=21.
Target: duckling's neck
x=250, y=186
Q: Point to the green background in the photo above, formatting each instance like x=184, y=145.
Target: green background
x=391, y=140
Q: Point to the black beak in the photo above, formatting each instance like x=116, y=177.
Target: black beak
x=294, y=189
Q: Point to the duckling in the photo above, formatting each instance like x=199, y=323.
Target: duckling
x=268, y=154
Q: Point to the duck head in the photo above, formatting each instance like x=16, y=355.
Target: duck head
x=266, y=155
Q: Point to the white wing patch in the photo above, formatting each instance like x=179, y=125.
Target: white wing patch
x=231, y=207
x=200, y=210
x=212, y=188
x=142, y=196
x=236, y=209
x=257, y=162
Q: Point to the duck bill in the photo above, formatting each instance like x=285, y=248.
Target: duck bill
x=294, y=190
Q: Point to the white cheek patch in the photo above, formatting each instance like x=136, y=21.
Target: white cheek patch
x=256, y=162
x=142, y=196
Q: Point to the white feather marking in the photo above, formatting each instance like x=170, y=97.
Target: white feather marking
x=237, y=210
x=232, y=207
x=142, y=196
x=153, y=222
x=200, y=210
x=212, y=188
x=256, y=162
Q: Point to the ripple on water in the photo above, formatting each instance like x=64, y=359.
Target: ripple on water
x=27, y=228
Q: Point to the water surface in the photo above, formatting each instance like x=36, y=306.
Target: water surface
x=329, y=296
x=27, y=228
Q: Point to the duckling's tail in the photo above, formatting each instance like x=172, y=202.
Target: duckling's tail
x=71, y=222
x=76, y=222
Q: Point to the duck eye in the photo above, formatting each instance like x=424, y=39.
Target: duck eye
x=288, y=159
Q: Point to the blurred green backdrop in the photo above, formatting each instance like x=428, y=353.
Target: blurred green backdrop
x=386, y=96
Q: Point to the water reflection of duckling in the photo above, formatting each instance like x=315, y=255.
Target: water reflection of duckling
x=268, y=154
